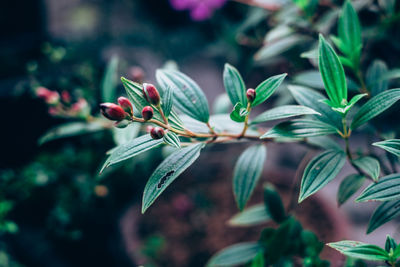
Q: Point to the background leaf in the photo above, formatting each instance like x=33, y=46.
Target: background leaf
x=360, y=250
x=391, y=146
x=388, y=188
x=383, y=214
x=188, y=97
x=348, y=187
x=332, y=73
x=265, y=89
x=374, y=82
x=168, y=171
x=251, y=216
x=109, y=82
x=369, y=165
x=283, y=112
x=273, y=203
x=247, y=172
x=131, y=149
x=300, y=128
x=320, y=171
x=235, y=255
x=312, y=99
x=234, y=85
x=167, y=100
x=375, y=106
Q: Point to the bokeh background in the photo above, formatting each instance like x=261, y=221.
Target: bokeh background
x=55, y=209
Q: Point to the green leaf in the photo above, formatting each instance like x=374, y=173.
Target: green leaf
x=390, y=243
x=237, y=254
x=273, y=203
x=348, y=187
x=383, y=214
x=131, y=149
x=168, y=171
x=332, y=74
x=324, y=142
x=360, y=250
x=251, y=216
x=391, y=146
x=109, y=82
x=234, y=85
x=167, y=100
x=265, y=89
x=348, y=106
x=375, y=106
x=349, y=30
x=69, y=130
x=258, y=261
x=283, y=112
x=276, y=48
x=135, y=94
x=370, y=166
x=188, y=97
x=247, y=172
x=312, y=99
x=239, y=113
x=311, y=78
x=388, y=188
x=170, y=138
x=374, y=82
x=299, y=128
x=320, y=171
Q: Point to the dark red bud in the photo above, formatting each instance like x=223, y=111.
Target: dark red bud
x=112, y=111
x=65, y=96
x=151, y=94
x=147, y=113
x=157, y=133
x=50, y=97
x=251, y=94
x=125, y=104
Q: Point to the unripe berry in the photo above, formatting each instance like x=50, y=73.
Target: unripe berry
x=112, y=111
x=251, y=94
x=125, y=104
x=122, y=124
x=157, y=133
x=151, y=94
x=147, y=113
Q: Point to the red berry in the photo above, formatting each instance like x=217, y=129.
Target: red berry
x=112, y=111
x=157, y=133
x=147, y=113
x=125, y=104
x=251, y=94
x=151, y=94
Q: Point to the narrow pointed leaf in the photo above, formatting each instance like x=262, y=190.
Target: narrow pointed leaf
x=300, y=128
x=311, y=78
x=360, y=250
x=312, y=99
x=283, y=112
x=170, y=138
x=247, y=172
x=265, y=89
x=320, y=171
x=251, y=216
x=349, y=30
x=369, y=165
x=135, y=94
x=109, y=82
x=332, y=73
x=234, y=85
x=383, y=214
x=167, y=100
x=391, y=146
x=131, y=149
x=234, y=255
x=188, y=97
x=348, y=187
x=168, y=171
x=388, y=188
x=375, y=106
